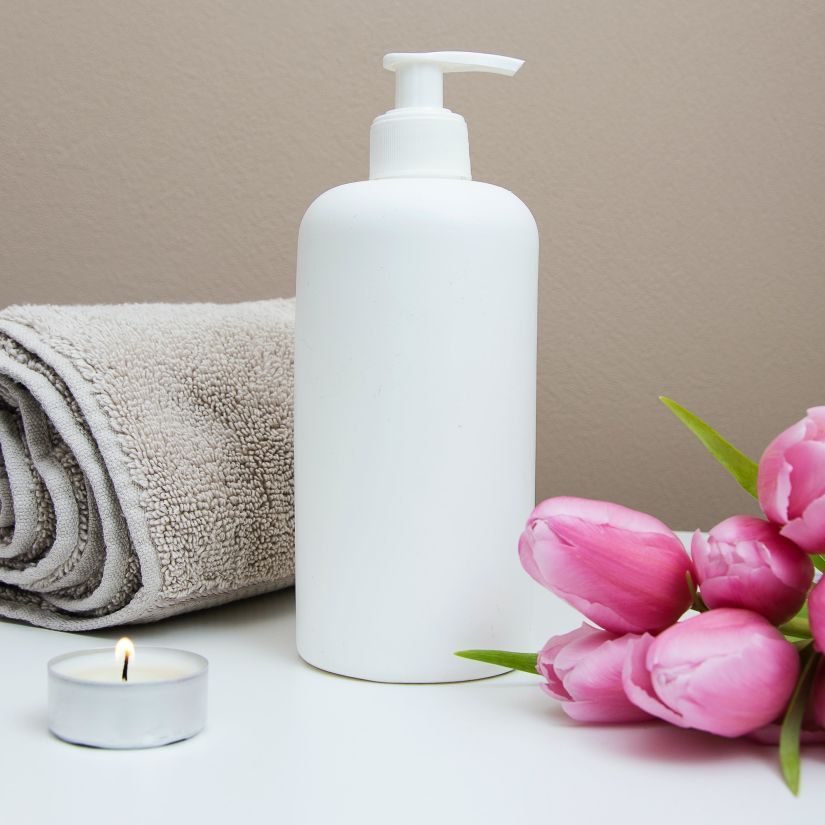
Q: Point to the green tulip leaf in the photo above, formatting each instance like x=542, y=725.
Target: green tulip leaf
x=742, y=468
x=797, y=628
x=819, y=561
x=792, y=723
x=503, y=658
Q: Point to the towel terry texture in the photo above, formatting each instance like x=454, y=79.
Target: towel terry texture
x=146, y=459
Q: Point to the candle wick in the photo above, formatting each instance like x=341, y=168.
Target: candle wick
x=125, y=674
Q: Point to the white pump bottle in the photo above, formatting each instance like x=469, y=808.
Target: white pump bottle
x=415, y=375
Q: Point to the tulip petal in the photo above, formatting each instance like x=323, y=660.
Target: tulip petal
x=807, y=462
x=808, y=531
x=816, y=416
x=715, y=633
x=601, y=614
x=604, y=712
x=773, y=482
x=552, y=687
x=598, y=674
x=600, y=512
x=580, y=646
x=638, y=685
x=525, y=554
x=742, y=528
x=732, y=696
x=698, y=552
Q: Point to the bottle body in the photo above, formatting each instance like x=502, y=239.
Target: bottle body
x=415, y=374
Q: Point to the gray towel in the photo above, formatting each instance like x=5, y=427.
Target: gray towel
x=146, y=459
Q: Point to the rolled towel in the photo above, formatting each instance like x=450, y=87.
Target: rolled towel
x=146, y=459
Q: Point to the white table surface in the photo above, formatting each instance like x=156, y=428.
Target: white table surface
x=287, y=743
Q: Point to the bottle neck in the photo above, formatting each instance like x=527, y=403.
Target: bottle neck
x=419, y=142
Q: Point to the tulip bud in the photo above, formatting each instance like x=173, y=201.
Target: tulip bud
x=727, y=671
x=791, y=481
x=745, y=562
x=622, y=569
x=583, y=670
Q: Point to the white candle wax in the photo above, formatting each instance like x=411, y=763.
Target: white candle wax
x=163, y=699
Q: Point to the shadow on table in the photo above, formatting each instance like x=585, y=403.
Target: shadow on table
x=665, y=743
x=644, y=741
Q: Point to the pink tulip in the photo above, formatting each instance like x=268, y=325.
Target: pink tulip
x=792, y=481
x=745, y=562
x=816, y=614
x=727, y=671
x=583, y=670
x=625, y=570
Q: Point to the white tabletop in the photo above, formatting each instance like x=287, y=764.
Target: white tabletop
x=288, y=743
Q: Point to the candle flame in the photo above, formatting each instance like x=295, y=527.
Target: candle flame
x=124, y=649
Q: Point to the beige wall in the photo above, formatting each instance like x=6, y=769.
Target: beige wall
x=672, y=152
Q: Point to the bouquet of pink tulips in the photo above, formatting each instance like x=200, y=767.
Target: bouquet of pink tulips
x=747, y=660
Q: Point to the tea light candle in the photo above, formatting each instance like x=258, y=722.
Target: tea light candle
x=127, y=699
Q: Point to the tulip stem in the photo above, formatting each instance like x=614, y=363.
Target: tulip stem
x=792, y=723
x=798, y=627
x=697, y=602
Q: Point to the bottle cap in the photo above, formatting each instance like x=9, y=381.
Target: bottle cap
x=419, y=138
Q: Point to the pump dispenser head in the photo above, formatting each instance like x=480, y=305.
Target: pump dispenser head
x=419, y=138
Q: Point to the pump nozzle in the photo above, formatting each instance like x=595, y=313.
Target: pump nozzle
x=419, y=76
x=419, y=137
